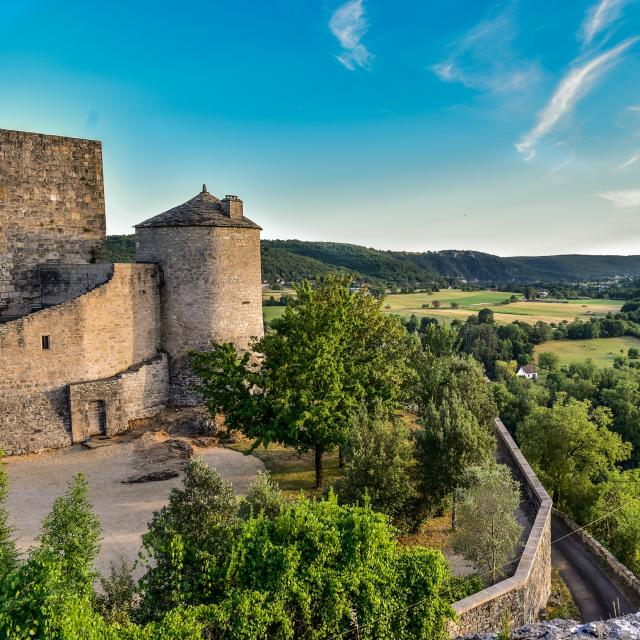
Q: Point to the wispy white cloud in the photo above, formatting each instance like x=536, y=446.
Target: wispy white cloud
x=634, y=108
x=600, y=16
x=631, y=161
x=623, y=199
x=572, y=87
x=349, y=25
x=485, y=59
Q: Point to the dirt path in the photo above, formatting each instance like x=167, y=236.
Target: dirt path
x=123, y=509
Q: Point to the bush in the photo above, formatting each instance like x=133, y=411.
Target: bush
x=115, y=603
x=188, y=541
x=263, y=498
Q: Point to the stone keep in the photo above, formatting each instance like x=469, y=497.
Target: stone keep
x=51, y=211
x=209, y=257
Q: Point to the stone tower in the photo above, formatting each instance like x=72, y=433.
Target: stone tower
x=209, y=255
x=51, y=212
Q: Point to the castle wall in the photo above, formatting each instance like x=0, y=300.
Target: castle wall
x=139, y=392
x=51, y=211
x=211, y=292
x=62, y=282
x=97, y=335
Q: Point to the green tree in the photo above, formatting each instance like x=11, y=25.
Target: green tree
x=616, y=516
x=438, y=339
x=332, y=352
x=450, y=444
x=379, y=453
x=489, y=533
x=549, y=361
x=457, y=373
x=569, y=446
x=71, y=534
x=187, y=542
x=485, y=316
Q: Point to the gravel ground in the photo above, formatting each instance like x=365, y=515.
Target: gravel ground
x=123, y=509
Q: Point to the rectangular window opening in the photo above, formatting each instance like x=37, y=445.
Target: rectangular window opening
x=46, y=342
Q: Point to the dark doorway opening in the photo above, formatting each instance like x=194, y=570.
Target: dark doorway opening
x=97, y=418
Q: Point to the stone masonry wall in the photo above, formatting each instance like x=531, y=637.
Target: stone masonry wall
x=98, y=335
x=139, y=392
x=527, y=591
x=211, y=292
x=62, y=282
x=51, y=211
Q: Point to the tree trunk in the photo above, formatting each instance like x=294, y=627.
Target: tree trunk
x=341, y=457
x=454, y=511
x=318, y=466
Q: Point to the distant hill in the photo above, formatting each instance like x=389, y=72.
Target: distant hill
x=293, y=260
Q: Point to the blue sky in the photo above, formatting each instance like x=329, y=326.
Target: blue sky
x=509, y=127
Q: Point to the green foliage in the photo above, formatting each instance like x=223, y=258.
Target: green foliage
x=263, y=498
x=488, y=533
x=461, y=374
x=379, y=455
x=616, y=512
x=116, y=601
x=438, y=339
x=187, y=542
x=569, y=446
x=331, y=352
x=505, y=627
x=451, y=443
x=71, y=534
x=8, y=551
x=549, y=361
x=319, y=569
x=121, y=248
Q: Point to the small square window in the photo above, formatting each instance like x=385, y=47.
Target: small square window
x=46, y=342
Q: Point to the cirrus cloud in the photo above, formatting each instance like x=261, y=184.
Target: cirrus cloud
x=600, y=16
x=623, y=199
x=574, y=86
x=349, y=25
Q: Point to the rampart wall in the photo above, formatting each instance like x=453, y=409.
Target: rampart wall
x=51, y=211
x=526, y=592
x=98, y=335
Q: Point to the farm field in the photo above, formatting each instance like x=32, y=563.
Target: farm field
x=469, y=302
x=601, y=350
x=472, y=301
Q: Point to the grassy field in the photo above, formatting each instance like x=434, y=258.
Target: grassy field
x=294, y=472
x=468, y=302
x=601, y=350
x=472, y=301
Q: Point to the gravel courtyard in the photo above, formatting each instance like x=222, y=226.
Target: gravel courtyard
x=124, y=509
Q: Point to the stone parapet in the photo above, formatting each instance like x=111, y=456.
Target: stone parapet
x=526, y=592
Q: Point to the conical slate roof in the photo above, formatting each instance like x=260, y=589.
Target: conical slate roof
x=205, y=210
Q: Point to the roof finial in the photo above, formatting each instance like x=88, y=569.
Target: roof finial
x=204, y=188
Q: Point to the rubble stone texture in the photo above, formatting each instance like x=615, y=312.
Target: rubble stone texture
x=51, y=211
x=625, y=628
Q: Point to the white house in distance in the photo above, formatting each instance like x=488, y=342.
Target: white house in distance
x=528, y=371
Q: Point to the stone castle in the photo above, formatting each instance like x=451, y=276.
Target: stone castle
x=86, y=346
